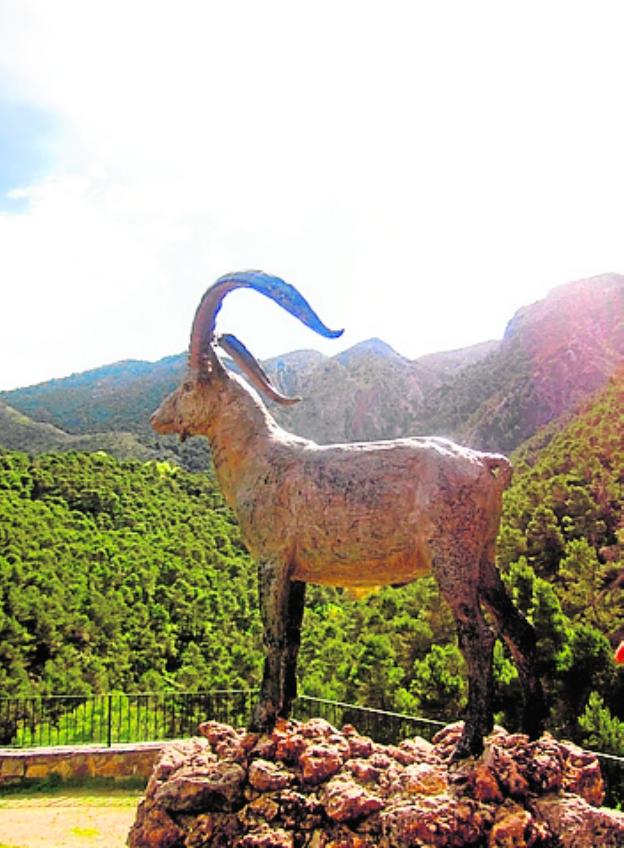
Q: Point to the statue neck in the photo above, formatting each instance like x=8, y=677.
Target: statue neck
x=240, y=434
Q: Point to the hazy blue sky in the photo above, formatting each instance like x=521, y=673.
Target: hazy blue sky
x=419, y=170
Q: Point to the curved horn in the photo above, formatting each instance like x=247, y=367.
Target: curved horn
x=202, y=334
x=252, y=369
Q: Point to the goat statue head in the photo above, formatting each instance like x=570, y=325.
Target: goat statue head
x=186, y=410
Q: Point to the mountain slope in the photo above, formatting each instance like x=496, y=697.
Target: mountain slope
x=577, y=471
x=555, y=353
x=494, y=395
x=449, y=361
x=18, y=432
x=367, y=392
x=561, y=547
x=113, y=397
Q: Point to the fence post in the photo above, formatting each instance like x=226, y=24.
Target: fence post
x=110, y=720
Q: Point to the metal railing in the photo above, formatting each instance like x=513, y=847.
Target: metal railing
x=388, y=727
x=113, y=719
x=383, y=726
x=116, y=718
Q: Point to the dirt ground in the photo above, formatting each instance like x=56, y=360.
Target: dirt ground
x=72, y=819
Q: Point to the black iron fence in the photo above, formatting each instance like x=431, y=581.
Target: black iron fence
x=116, y=718
x=119, y=718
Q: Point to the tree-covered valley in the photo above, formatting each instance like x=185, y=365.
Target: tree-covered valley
x=132, y=576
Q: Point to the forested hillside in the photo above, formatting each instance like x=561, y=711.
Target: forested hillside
x=18, y=432
x=114, y=397
x=114, y=573
x=562, y=550
x=132, y=576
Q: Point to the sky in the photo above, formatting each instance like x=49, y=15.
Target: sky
x=418, y=170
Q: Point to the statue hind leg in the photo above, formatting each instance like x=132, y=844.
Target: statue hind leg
x=519, y=636
x=476, y=642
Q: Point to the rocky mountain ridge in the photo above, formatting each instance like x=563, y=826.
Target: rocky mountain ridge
x=492, y=395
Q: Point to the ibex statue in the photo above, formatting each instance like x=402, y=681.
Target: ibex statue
x=353, y=515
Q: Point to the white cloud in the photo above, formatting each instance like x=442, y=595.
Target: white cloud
x=419, y=170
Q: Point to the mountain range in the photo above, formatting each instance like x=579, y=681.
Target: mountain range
x=493, y=395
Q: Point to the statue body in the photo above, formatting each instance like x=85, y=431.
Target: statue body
x=356, y=515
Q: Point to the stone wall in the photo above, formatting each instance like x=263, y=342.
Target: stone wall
x=117, y=763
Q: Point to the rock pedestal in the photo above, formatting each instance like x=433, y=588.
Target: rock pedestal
x=307, y=785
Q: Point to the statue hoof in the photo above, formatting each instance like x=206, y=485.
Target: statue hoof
x=534, y=718
x=470, y=745
x=263, y=718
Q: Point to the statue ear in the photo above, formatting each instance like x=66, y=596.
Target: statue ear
x=252, y=369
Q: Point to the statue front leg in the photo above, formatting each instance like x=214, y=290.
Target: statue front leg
x=274, y=591
x=296, y=603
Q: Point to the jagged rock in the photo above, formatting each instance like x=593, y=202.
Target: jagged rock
x=509, y=762
x=484, y=785
x=416, y=750
x=359, y=746
x=344, y=800
x=154, y=828
x=443, y=821
x=515, y=827
x=268, y=838
x=311, y=786
x=445, y=740
x=300, y=811
x=218, y=786
x=199, y=829
x=545, y=765
x=579, y=825
x=319, y=762
x=225, y=741
x=288, y=745
x=424, y=779
x=582, y=774
x=267, y=776
x=363, y=770
x=265, y=807
x=174, y=756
